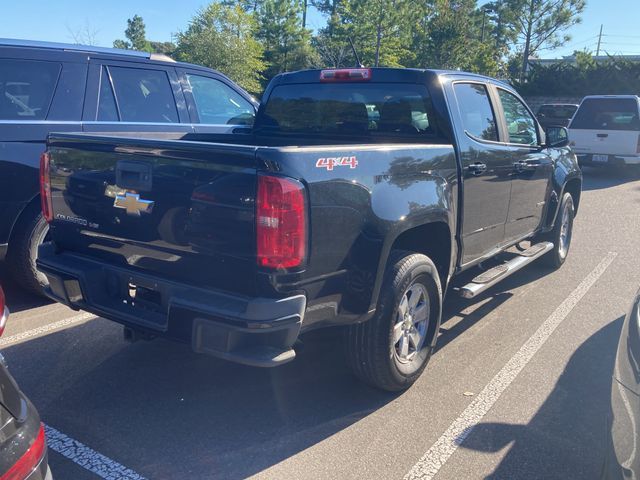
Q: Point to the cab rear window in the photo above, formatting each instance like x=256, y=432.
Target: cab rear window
x=26, y=88
x=607, y=114
x=366, y=111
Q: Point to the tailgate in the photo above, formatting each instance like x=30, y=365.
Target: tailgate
x=182, y=210
x=610, y=142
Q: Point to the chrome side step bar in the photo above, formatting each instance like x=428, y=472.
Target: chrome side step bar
x=498, y=273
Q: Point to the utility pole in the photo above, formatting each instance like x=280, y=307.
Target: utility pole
x=484, y=15
x=599, y=40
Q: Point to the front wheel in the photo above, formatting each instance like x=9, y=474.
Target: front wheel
x=391, y=350
x=561, y=233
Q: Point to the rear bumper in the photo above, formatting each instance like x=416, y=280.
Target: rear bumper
x=587, y=159
x=252, y=331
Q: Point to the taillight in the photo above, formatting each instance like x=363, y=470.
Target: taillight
x=281, y=230
x=346, y=75
x=45, y=187
x=4, y=312
x=29, y=461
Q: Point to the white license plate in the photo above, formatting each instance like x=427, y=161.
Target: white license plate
x=600, y=158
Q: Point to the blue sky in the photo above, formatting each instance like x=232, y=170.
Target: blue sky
x=52, y=20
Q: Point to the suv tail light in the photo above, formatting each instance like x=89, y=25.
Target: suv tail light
x=29, y=461
x=346, y=75
x=281, y=227
x=45, y=188
x=4, y=312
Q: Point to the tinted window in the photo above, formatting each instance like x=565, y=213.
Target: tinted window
x=520, y=123
x=368, y=111
x=475, y=109
x=219, y=104
x=144, y=95
x=557, y=111
x=26, y=88
x=607, y=114
x=107, y=110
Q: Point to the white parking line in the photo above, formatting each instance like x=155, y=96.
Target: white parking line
x=38, y=332
x=429, y=465
x=88, y=458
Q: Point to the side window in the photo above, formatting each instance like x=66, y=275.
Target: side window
x=144, y=95
x=219, y=104
x=26, y=88
x=475, y=109
x=107, y=109
x=520, y=123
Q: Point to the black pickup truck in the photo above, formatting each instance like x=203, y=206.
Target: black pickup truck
x=354, y=201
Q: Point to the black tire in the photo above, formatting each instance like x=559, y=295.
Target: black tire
x=370, y=348
x=28, y=234
x=557, y=256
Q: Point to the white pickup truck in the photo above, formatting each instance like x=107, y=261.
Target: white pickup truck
x=606, y=130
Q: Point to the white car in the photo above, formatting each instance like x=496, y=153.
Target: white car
x=606, y=130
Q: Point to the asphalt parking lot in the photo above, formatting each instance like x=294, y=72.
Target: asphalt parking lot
x=518, y=388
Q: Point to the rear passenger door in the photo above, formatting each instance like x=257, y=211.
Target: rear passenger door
x=130, y=97
x=531, y=165
x=215, y=105
x=486, y=169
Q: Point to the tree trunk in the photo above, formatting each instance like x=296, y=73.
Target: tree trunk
x=304, y=14
x=527, y=43
x=379, y=35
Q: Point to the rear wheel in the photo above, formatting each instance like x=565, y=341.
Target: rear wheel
x=391, y=350
x=30, y=231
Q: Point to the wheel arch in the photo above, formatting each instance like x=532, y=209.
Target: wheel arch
x=433, y=238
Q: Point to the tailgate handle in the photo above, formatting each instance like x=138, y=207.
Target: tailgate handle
x=602, y=135
x=134, y=175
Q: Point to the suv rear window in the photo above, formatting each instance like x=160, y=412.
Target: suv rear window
x=607, y=114
x=26, y=88
x=368, y=111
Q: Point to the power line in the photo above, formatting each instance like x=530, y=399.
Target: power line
x=618, y=35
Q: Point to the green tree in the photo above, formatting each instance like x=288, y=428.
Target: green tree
x=380, y=29
x=448, y=34
x=223, y=38
x=287, y=44
x=247, y=5
x=539, y=24
x=166, y=48
x=136, y=37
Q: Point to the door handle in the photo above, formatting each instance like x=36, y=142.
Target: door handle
x=526, y=166
x=602, y=135
x=477, y=168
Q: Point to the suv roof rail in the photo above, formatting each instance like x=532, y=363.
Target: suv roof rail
x=10, y=42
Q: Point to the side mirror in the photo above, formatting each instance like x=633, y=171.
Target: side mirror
x=557, y=137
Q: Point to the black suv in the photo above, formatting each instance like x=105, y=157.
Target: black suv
x=50, y=87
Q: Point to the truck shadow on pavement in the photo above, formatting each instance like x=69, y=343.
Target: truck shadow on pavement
x=19, y=299
x=599, y=178
x=566, y=437
x=166, y=412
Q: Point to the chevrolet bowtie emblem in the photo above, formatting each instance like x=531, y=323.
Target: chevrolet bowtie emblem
x=132, y=203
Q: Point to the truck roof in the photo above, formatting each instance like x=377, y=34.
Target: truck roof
x=95, y=51
x=384, y=74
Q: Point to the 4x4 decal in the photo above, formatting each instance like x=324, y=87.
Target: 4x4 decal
x=330, y=162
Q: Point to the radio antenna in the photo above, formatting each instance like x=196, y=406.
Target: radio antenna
x=355, y=53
